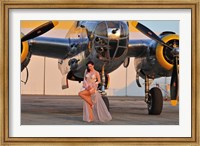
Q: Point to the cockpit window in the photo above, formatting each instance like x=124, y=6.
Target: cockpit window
x=101, y=29
x=124, y=28
x=113, y=24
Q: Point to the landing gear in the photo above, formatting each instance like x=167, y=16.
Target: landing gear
x=153, y=98
x=103, y=81
x=155, y=101
x=103, y=93
x=106, y=101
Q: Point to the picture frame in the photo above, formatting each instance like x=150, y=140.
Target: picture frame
x=183, y=4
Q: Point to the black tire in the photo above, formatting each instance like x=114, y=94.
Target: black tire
x=106, y=101
x=155, y=102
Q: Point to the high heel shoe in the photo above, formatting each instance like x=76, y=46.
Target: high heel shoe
x=91, y=119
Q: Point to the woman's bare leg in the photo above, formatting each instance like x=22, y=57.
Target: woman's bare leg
x=90, y=111
x=85, y=94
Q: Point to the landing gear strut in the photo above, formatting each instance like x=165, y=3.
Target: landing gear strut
x=103, y=81
x=103, y=93
x=153, y=98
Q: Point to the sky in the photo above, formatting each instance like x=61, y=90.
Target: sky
x=162, y=25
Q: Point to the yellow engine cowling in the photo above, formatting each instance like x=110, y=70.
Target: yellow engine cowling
x=160, y=51
x=25, y=54
x=25, y=50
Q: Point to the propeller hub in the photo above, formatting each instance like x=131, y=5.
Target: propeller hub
x=175, y=52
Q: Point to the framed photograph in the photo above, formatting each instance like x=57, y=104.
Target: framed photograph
x=63, y=42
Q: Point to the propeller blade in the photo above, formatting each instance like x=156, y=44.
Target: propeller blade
x=39, y=30
x=146, y=31
x=174, y=83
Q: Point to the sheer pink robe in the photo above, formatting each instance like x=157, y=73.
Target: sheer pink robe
x=100, y=110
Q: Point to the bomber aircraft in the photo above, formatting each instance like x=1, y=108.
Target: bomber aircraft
x=107, y=44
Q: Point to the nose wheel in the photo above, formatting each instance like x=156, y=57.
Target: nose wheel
x=155, y=101
x=153, y=98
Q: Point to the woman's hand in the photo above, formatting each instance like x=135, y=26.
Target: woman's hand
x=88, y=87
x=85, y=85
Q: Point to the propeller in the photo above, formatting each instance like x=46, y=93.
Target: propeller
x=175, y=51
x=174, y=83
x=146, y=31
x=39, y=30
x=34, y=33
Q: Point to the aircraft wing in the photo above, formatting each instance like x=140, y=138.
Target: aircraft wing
x=61, y=48
x=138, y=48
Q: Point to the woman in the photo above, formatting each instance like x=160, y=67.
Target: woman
x=94, y=108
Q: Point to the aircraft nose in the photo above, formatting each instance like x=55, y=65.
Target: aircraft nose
x=110, y=39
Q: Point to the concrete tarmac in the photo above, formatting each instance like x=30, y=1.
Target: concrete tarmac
x=67, y=110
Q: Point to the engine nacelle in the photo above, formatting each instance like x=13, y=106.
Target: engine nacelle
x=158, y=60
x=163, y=54
x=25, y=54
